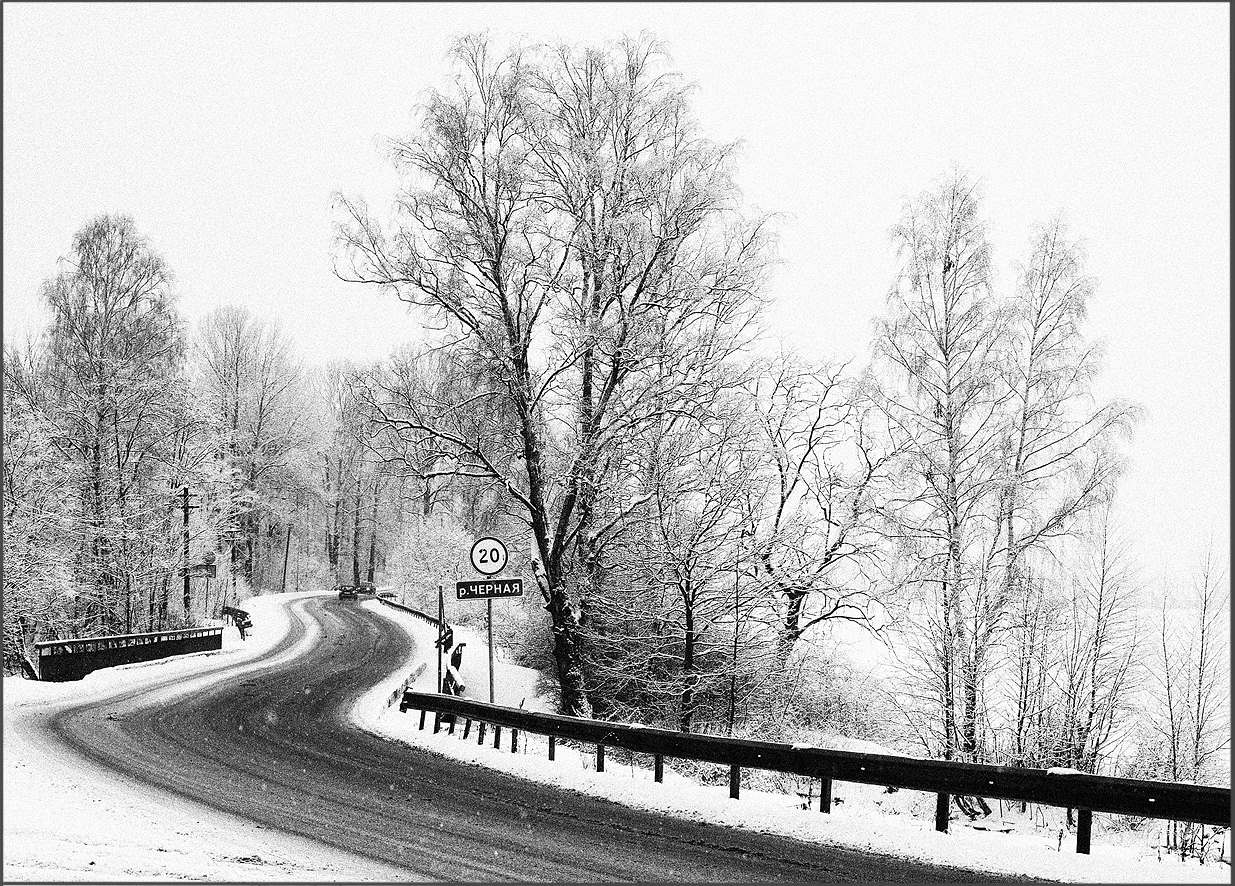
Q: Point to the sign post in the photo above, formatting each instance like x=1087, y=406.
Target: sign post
x=441, y=627
x=489, y=557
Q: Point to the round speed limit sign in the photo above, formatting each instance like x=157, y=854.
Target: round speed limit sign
x=488, y=556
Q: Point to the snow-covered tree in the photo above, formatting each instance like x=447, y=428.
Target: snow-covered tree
x=579, y=239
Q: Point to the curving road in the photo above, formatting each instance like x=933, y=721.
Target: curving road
x=275, y=746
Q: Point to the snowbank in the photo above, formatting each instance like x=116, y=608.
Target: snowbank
x=66, y=818
x=514, y=685
x=864, y=817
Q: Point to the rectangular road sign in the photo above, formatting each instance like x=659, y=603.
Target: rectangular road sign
x=200, y=570
x=489, y=587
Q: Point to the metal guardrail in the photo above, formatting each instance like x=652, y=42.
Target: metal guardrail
x=397, y=695
x=72, y=659
x=1083, y=792
x=423, y=616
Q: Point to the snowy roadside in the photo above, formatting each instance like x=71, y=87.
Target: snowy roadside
x=67, y=818
x=858, y=823
x=514, y=686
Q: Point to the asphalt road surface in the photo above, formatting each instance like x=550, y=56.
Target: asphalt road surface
x=275, y=746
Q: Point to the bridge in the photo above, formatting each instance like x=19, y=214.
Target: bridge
x=60, y=660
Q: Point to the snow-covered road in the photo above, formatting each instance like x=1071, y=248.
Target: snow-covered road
x=69, y=818
x=271, y=742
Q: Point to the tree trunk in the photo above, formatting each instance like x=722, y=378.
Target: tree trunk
x=356, y=536
x=946, y=667
x=287, y=549
x=688, y=671
x=373, y=534
x=164, y=594
x=969, y=717
x=567, y=655
x=791, y=625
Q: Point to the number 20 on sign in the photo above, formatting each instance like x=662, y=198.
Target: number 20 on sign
x=488, y=556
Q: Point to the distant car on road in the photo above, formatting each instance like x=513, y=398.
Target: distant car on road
x=367, y=587
x=347, y=592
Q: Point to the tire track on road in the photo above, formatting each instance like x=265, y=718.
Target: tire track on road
x=277, y=748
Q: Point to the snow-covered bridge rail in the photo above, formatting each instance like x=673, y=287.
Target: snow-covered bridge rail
x=72, y=659
x=1083, y=792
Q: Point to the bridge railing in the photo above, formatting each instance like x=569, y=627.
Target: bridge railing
x=60, y=660
x=1085, y=793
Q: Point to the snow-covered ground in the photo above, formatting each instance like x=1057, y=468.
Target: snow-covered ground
x=514, y=685
x=864, y=817
x=66, y=818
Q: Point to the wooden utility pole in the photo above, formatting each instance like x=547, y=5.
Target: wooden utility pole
x=185, y=507
x=287, y=547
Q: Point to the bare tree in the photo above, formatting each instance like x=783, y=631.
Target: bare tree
x=673, y=615
x=578, y=239
x=1060, y=463
x=346, y=471
x=1007, y=453
x=827, y=465
x=941, y=345
x=254, y=390
x=115, y=391
x=39, y=520
x=1191, y=720
x=1209, y=735
x=1034, y=627
x=1099, y=655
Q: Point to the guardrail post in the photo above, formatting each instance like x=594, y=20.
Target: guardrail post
x=514, y=741
x=600, y=758
x=1084, y=827
x=422, y=718
x=497, y=735
x=451, y=730
x=480, y=733
x=942, y=802
x=467, y=726
x=437, y=721
x=735, y=782
x=658, y=767
x=552, y=745
x=825, y=793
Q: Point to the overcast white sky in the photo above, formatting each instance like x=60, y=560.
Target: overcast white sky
x=224, y=130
